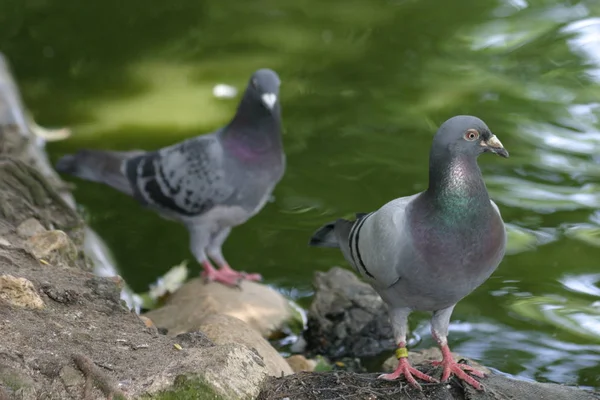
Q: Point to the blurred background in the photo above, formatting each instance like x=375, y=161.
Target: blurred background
x=365, y=84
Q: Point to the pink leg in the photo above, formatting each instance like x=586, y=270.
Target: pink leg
x=405, y=369
x=452, y=367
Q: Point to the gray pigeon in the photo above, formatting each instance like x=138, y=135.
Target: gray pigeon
x=210, y=183
x=427, y=251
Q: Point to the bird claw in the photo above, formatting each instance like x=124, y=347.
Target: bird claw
x=228, y=276
x=460, y=371
x=409, y=373
x=227, y=280
x=251, y=277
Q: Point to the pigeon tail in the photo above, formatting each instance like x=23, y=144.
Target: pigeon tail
x=325, y=236
x=97, y=166
x=330, y=234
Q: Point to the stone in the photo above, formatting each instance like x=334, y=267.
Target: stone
x=261, y=307
x=222, y=329
x=71, y=377
x=19, y=292
x=347, y=318
x=30, y=227
x=147, y=322
x=426, y=356
x=54, y=247
x=194, y=339
x=232, y=370
x=18, y=382
x=300, y=363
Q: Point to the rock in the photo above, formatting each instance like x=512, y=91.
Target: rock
x=194, y=339
x=347, y=318
x=64, y=296
x=233, y=370
x=54, y=247
x=105, y=288
x=300, y=363
x=71, y=377
x=19, y=292
x=261, y=307
x=222, y=329
x=17, y=382
x=147, y=321
x=29, y=228
x=428, y=355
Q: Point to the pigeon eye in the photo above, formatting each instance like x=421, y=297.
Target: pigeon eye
x=471, y=135
x=255, y=83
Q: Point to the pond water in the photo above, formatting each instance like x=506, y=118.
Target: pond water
x=365, y=85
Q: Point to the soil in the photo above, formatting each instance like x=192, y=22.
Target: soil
x=84, y=343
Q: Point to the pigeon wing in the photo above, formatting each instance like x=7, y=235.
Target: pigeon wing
x=186, y=179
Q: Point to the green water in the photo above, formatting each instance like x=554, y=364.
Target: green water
x=365, y=84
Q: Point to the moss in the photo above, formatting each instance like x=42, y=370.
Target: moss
x=322, y=364
x=13, y=380
x=186, y=389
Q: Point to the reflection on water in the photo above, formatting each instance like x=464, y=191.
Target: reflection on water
x=364, y=88
x=584, y=283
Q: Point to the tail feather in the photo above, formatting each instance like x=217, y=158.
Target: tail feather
x=98, y=166
x=329, y=235
x=325, y=237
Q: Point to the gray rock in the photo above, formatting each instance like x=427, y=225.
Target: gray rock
x=233, y=370
x=29, y=228
x=347, y=318
x=223, y=329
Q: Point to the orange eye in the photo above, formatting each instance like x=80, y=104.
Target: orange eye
x=471, y=135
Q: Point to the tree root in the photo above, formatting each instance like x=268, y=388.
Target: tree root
x=94, y=375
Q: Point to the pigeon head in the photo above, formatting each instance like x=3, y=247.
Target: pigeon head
x=264, y=87
x=465, y=135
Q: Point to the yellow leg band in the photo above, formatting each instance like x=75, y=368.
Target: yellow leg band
x=401, y=352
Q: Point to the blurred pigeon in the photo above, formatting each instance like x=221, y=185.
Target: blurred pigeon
x=427, y=251
x=211, y=182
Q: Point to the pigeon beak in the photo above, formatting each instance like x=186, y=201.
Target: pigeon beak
x=269, y=99
x=494, y=145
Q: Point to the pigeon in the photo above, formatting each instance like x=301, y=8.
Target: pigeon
x=210, y=183
x=427, y=251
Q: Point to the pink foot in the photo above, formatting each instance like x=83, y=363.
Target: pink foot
x=226, y=269
x=405, y=369
x=452, y=367
x=226, y=275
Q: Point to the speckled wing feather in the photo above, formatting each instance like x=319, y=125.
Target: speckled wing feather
x=187, y=179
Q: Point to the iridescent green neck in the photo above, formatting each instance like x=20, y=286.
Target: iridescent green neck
x=457, y=192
